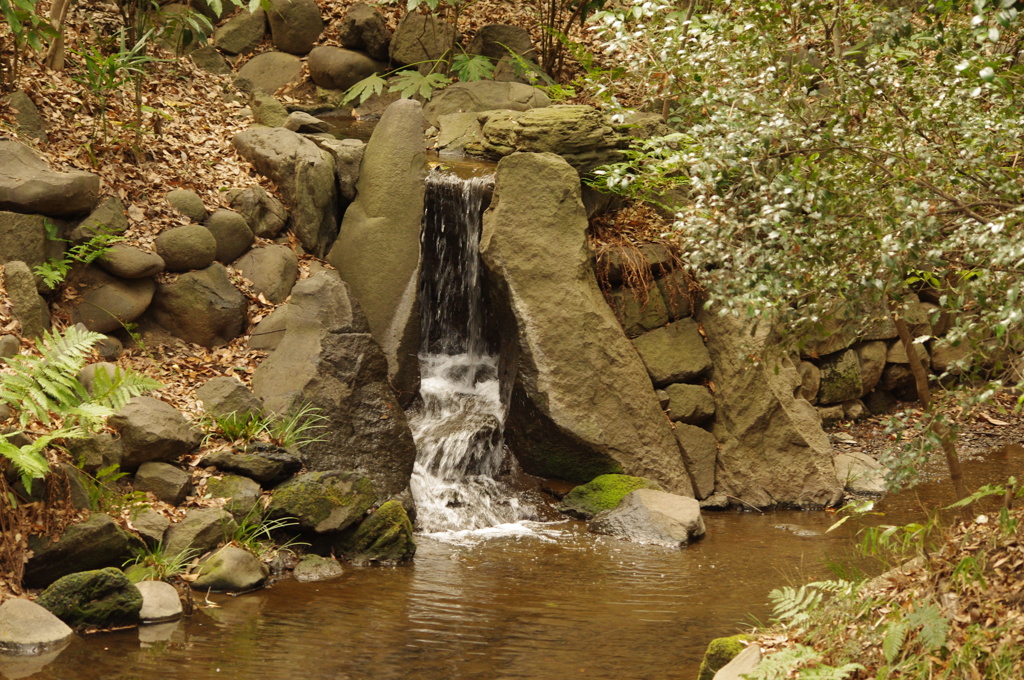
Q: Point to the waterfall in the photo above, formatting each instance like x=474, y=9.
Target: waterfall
x=458, y=427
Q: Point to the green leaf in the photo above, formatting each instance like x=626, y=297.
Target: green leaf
x=364, y=89
x=473, y=67
x=410, y=83
x=892, y=643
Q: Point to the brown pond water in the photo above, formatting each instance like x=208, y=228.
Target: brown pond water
x=557, y=603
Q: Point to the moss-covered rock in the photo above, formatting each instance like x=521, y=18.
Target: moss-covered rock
x=720, y=652
x=324, y=501
x=385, y=536
x=602, y=493
x=99, y=599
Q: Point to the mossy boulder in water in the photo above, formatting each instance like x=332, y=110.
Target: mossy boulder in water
x=103, y=598
x=720, y=652
x=385, y=536
x=602, y=493
x=324, y=501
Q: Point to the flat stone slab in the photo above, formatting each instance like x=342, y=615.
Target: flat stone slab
x=27, y=628
x=674, y=354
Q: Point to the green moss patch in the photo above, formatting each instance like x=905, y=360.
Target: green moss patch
x=603, y=493
x=720, y=652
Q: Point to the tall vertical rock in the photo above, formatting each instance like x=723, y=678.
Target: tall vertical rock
x=772, y=448
x=378, y=248
x=582, y=404
x=328, y=361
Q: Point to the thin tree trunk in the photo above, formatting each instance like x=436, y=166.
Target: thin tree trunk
x=58, y=16
x=924, y=393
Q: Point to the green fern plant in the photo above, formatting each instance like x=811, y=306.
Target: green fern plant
x=30, y=459
x=792, y=606
x=780, y=666
x=41, y=388
x=46, y=388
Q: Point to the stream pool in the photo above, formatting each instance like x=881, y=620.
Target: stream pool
x=551, y=602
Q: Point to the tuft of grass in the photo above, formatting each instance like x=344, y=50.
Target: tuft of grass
x=254, y=533
x=293, y=430
x=158, y=564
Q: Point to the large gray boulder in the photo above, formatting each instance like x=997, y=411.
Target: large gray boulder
x=324, y=502
x=582, y=403
x=364, y=28
x=339, y=69
x=23, y=238
x=483, y=95
x=772, y=448
x=270, y=71
x=97, y=542
x=272, y=270
x=579, y=134
x=28, y=307
x=151, y=430
x=28, y=185
x=378, y=248
x=241, y=33
x=421, y=37
x=305, y=174
x=295, y=25
x=29, y=628
x=108, y=303
x=203, y=307
x=326, y=360
x=650, y=516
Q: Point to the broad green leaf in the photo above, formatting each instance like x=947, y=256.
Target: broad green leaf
x=364, y=89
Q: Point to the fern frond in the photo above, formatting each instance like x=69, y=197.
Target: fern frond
x=825, y=672
x=29, y=460
x=892, y=643
x=114, y=391
x=934, y=627
x=792, y=604
x=779, y=665
x=38, y=387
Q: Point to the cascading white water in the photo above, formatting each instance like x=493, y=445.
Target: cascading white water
x=458, y=426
